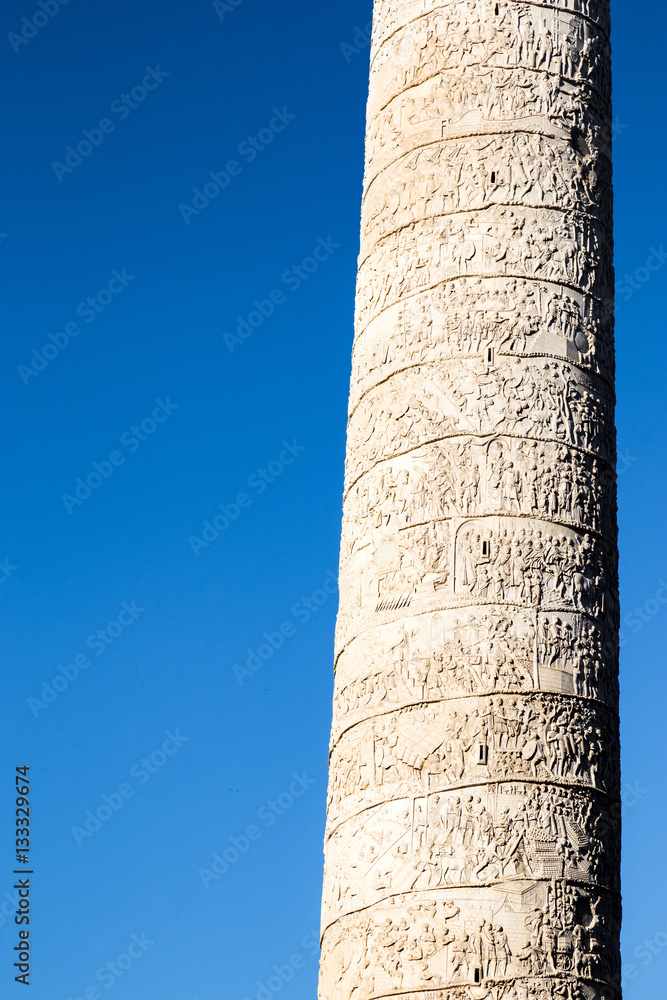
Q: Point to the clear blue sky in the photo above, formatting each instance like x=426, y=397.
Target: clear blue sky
x=160, y=367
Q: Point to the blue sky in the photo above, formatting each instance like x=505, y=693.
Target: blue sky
x=190, y=352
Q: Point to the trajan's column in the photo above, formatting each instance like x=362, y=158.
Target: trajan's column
x=472, y=845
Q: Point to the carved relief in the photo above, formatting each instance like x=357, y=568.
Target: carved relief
x=542, y=400
x=540, y=737
x=458, y=943
x=483, y=835
x=452, y=106
x=540, y=244
x=519, y=169
x=484, y=317
x=552, y=16
x=453, y=654
x=469, y=476
x=490, y=561
x=471, y=36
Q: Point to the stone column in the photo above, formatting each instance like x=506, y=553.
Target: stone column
x=472, y=844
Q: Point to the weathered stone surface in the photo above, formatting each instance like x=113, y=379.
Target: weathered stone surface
x=473, y=841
